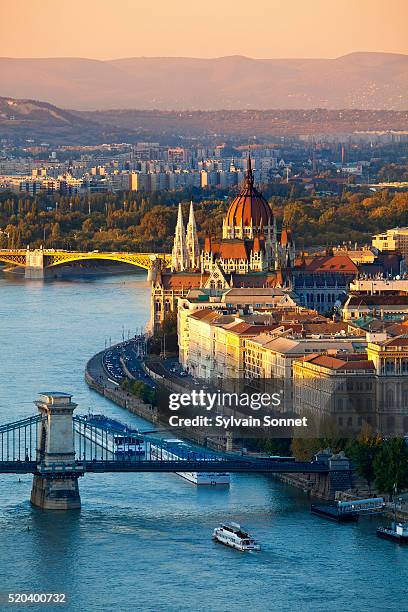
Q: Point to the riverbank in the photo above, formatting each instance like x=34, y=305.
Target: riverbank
x=97, y=380
x=100, y=374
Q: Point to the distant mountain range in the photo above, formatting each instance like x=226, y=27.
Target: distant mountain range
x=354, y=81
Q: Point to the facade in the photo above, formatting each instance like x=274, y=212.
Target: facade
x=322, y=282
x=350, y=390
x=337, y=392
x=217, y=340
x=238, y=302
x=364, y=255
x=379, y=286
x=216, y=344
x=390, y=359
x=395, y=239
x=383, y=306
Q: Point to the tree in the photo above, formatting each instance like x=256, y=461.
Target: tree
x=55, y=231
x=158, y=223
x=391, y=466
x=364, y=452
x=140, y=390
x=167, y=333
x=305, y=449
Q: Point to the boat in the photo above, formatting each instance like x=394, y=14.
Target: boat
x=398, y=532
x=233, y=535
x=176, y=450
x=111, y=435
x=335, y=512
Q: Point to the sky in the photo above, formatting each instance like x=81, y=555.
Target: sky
x=104, y=29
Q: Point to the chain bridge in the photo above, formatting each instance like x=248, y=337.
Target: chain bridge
x=38, y=261
x=58, y=448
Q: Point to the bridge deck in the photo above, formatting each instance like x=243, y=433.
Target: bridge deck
x=138, y=465
x=55, y=257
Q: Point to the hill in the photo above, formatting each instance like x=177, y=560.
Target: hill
x=22, y=119
x=357, y=80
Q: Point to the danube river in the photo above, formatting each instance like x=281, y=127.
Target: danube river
x=143, y=541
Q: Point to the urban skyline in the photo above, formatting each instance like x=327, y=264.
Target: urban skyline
x=204, y=293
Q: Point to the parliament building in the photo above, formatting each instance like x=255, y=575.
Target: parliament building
x=251, y=253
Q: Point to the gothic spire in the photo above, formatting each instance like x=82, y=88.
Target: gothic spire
x=192, y=241
x=179, y=255
x=249, y=179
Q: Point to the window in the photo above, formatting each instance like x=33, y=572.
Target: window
x=389, y=366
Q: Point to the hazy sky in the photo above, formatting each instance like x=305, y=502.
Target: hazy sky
x=105, y=29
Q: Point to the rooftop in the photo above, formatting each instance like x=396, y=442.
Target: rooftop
x=328, y=263
x=341, y=363
x=378, y=300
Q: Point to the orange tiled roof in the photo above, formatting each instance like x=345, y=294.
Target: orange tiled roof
x=230, y=249
x=329, y=263
x=351, y=362
x=378, y=300
x=249, y=329
x=208, y=315
x=182, y=280
x=397, y=341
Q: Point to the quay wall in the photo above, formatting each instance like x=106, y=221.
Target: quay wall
x=120, y=397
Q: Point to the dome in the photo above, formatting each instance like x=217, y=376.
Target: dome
x=249, y=208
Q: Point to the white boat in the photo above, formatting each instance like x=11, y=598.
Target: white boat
x=174, y=450
x=232, y=534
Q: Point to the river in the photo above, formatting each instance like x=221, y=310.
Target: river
x=143, y=541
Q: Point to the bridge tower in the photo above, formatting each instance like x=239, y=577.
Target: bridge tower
x=34, y=268
x=55, y=484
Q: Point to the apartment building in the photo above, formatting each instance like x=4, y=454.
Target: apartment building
x=395, y=239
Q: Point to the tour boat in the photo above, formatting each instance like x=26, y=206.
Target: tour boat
x=231, y=534
x=397, y=532
x=176, y=450
x=111, y=435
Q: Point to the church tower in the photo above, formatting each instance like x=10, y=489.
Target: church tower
x=193, y=250
x=179, y=254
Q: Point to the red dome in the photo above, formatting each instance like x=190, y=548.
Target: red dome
x=249, y=207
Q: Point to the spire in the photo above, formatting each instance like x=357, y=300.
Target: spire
x=193, y=250
x=179, y=255
x=249, y=178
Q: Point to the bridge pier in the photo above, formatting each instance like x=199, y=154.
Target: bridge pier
x=339, y=476
x=55, y=484
x=153, y=271
x=34, y=268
